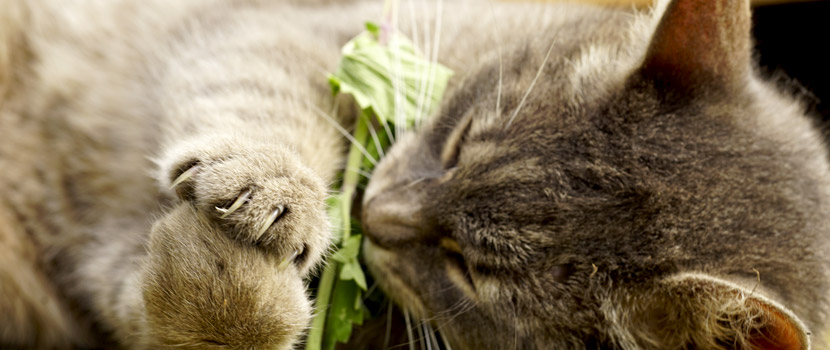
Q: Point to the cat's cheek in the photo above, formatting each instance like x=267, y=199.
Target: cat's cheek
x=385, y=267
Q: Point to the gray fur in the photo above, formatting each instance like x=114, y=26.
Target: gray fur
x=620, y=206
x=637, y=160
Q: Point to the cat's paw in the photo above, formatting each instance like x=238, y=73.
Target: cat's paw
x=259, y=193
x=203, y=289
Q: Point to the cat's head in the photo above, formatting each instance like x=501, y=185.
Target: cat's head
x=648, y=192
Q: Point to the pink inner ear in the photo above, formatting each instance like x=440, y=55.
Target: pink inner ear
x=701, y=41
x=779, y=333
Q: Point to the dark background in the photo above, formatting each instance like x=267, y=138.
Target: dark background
x=793, y=39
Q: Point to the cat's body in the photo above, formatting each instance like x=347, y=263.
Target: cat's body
x=96, y=126
x=622, y=215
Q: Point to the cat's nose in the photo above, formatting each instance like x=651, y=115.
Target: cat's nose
x=394, y=218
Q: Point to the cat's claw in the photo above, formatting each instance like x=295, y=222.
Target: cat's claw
x=258, y=194
x=269, y=221
x=185, y=175
x=236, y=204
x=289, y=259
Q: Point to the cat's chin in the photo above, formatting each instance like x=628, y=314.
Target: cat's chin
x=382, y=265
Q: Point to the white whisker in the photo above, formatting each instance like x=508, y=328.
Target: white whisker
x=423, y=75
x=399, y=86
x=375, y=138
x=432, y=337
x=416, y=45
x=532, y=85
x=427, y=339
x=389, y=132
x=465, y=306
x=420, y=329
x=409, y=330
x=434, y=59
x=501, y=63
x=444, y=340
x=345, y=133
x=334, y=106
x=363, y=173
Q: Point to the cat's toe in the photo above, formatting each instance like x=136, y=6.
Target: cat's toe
x=204, y=289
x=259, y=193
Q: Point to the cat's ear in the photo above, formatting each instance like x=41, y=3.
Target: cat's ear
x=708, y=313
x=700, y=44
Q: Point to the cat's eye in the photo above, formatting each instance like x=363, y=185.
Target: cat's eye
x=452, y=148
x=450, y=245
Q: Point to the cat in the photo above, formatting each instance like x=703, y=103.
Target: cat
x=612, y=181
x=596, y=178
x=164, y=172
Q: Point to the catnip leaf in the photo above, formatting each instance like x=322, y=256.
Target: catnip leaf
x=349, y=250
x=371, y=71
x=343, y=313
x=352, y=271
x=391, y=81
x=347, y=255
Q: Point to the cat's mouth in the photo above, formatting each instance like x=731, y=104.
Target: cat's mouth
x=382, y=264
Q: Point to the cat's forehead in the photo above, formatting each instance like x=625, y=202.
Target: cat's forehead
x=571, y=66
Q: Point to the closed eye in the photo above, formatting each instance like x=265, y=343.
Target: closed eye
x=450, y=245
x=452, y=148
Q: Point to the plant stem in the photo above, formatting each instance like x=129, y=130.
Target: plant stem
x=315, y=334
x=351, y=177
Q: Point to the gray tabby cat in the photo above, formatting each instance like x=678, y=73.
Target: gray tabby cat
x=595, y=179
x=640, y=188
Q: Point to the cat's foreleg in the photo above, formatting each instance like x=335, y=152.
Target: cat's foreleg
x=226, y=265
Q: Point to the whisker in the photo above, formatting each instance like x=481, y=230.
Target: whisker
x=467, y=306
x=370, y=290
x=461, y=303
x=423, y=75
x=360, y=172
x=408, y=330
x=439, y=24
x=426, y=338
x=389, y=132
x=420, y=330
x=532, y=85
x=501, y=64
x=444, y=340
x=363, y=173
x=416, y=44
x=397, y=82
x=375, y=138
x=433, y=338
x=345, y=133
x=335, y=105
x=386, y=337
x=414, y=24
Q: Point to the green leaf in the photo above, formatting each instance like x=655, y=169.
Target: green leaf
x=343, y=314
x=347, y=255
x=349, y=250
x=373, y=28
x=371, y=71
x=391, y=81
x=352, y=271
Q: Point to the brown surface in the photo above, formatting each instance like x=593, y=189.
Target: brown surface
x=643, y=3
